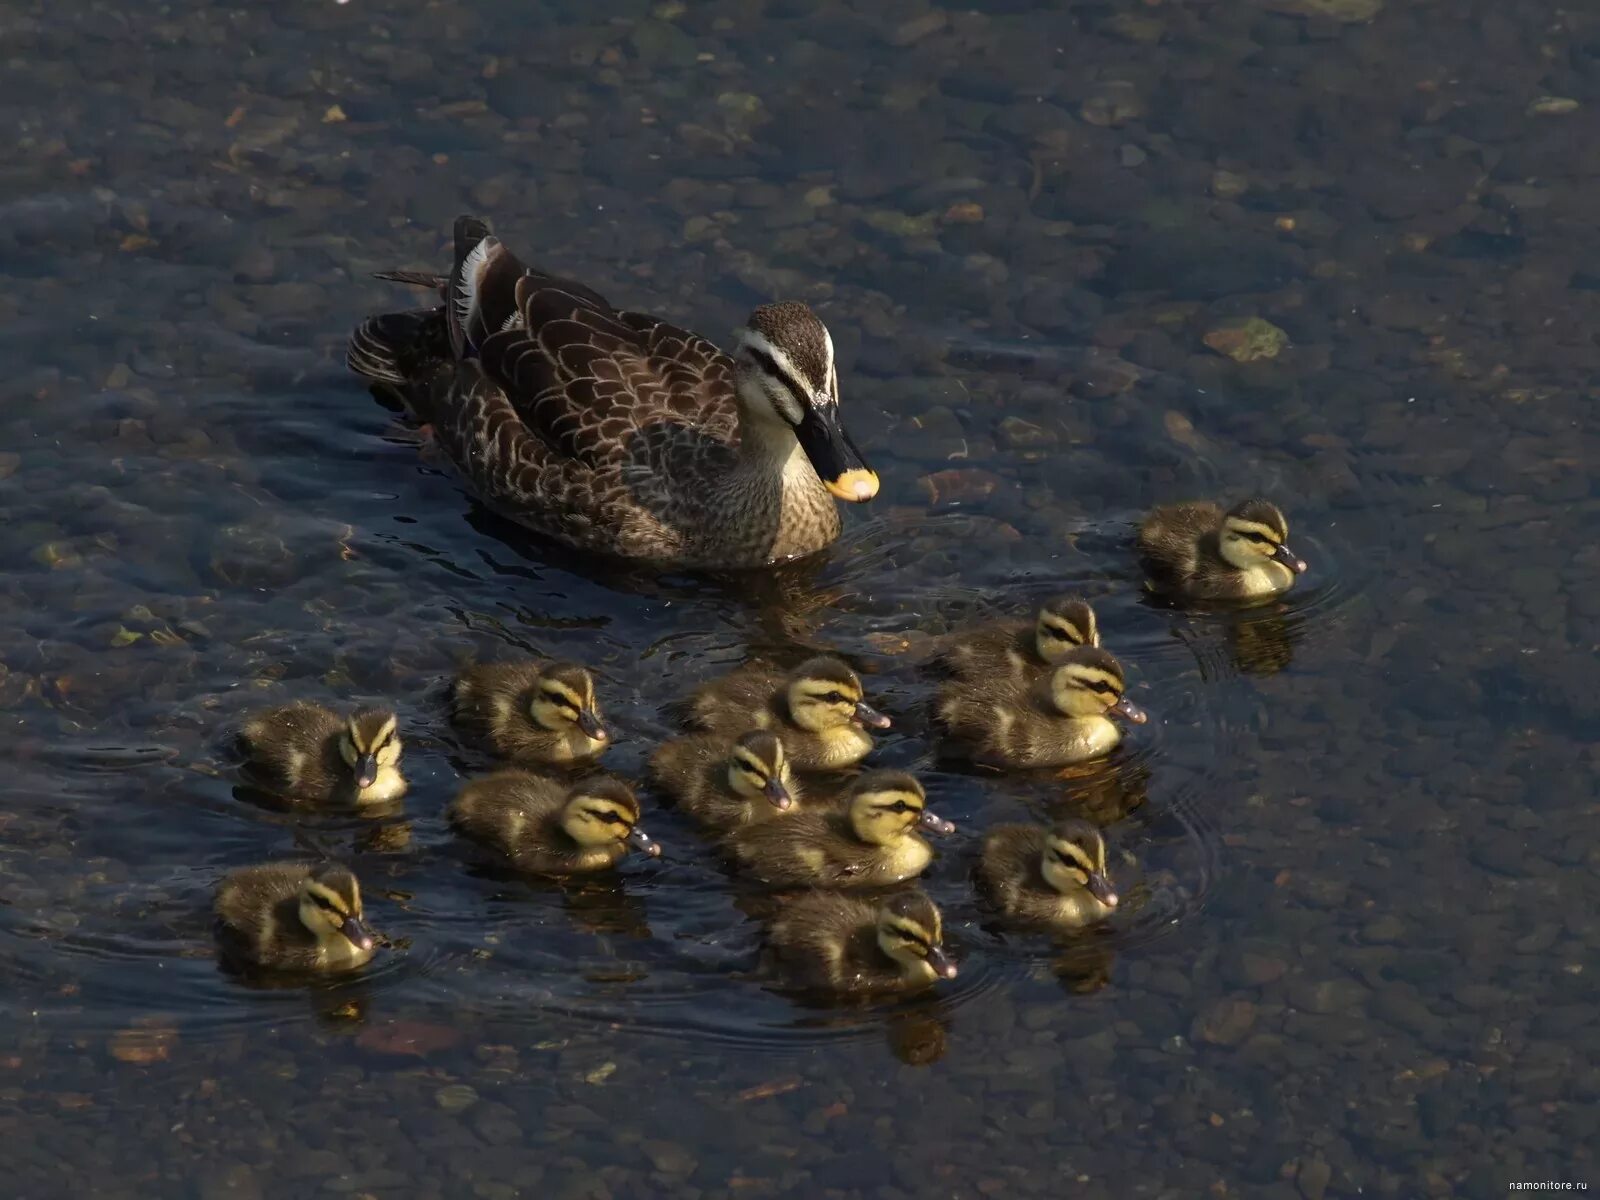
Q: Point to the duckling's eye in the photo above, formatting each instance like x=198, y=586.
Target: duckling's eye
x=324, y=903
x=613, y=818
x=1260, y=539
x=1100, y=686
x=835, y=698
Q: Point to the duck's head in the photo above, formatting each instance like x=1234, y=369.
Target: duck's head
x=369, y=743
x=787, y=379
x=1088, y=682
x=564, y=697
x=602, y=811
x=1064, y=624
x=884, y=806
x=757, y=770
x=824, y=694
x=330, y=906
x=911, y=932
x=1255, y=531
x=1075, y=859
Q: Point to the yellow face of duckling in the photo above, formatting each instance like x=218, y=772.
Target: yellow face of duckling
x=1255, y=533
x=1064, y=624
x=757, y=770
x=886, y=805
x=1088, y=682
x=330, y=907
x=1075, y=860
x=825, y=694
x=564, y=698
x=603, y=812
x=370, y=745
x=911, y=932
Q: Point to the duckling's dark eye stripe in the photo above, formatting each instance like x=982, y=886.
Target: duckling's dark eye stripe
x=771, y=367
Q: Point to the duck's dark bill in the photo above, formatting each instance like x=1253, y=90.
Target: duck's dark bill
x=834, y=456
x=1100, y=888
x=943, y=965
x=590, y=725
x=1286, y=556
x=358, y=934
x=871, y=717
x=777, y=795
x=642, y=841
x=1129, y=711
x=934, y=823
x=366, y=770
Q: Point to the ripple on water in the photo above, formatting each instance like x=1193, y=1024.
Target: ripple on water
x=382, y=580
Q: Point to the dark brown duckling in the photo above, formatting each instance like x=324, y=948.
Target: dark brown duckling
x=307, y=752
x=1197, y=551
x=547, y=827
x=293, y=917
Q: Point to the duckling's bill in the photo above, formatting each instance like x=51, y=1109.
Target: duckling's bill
x=1288, y=558
x=934, y=823
x=943, y=965
x=834, y=456
x=870, y=717
x=590, y=725
x=366, y=770
x=643, y=842
x=1101, y=888
x=777, y=795
x=1129, y=711
x=356, y=931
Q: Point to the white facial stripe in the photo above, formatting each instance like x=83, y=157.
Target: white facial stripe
x=831, y=374
x=386, y=732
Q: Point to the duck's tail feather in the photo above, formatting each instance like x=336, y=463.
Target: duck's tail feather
x=482, y=289
x=395, y=347
x=425, y=279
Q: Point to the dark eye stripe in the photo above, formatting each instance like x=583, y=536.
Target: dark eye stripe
x=770, y=365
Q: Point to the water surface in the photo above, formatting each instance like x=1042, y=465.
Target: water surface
x=1359, y=951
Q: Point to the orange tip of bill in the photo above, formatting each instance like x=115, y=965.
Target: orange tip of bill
x=855, y=486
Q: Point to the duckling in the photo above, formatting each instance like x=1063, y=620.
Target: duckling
x=1198, y=552
x=308, y=752
x=548, y=828
x=816, y=709
x=723, y=786
x=293, y=917
x=1021, y=649
x=531, y=711
x=871, y=842
x=843, y=944
x=1048, y=876
x=1055, y=721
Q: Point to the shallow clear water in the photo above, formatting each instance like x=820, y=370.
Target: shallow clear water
x=1357, y=834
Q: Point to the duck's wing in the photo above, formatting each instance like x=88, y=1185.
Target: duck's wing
x=593, y=383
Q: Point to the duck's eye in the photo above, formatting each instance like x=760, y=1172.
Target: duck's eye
x=1098, y=686
x=1261, y=539
x=324, y=903
x=834, y=698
